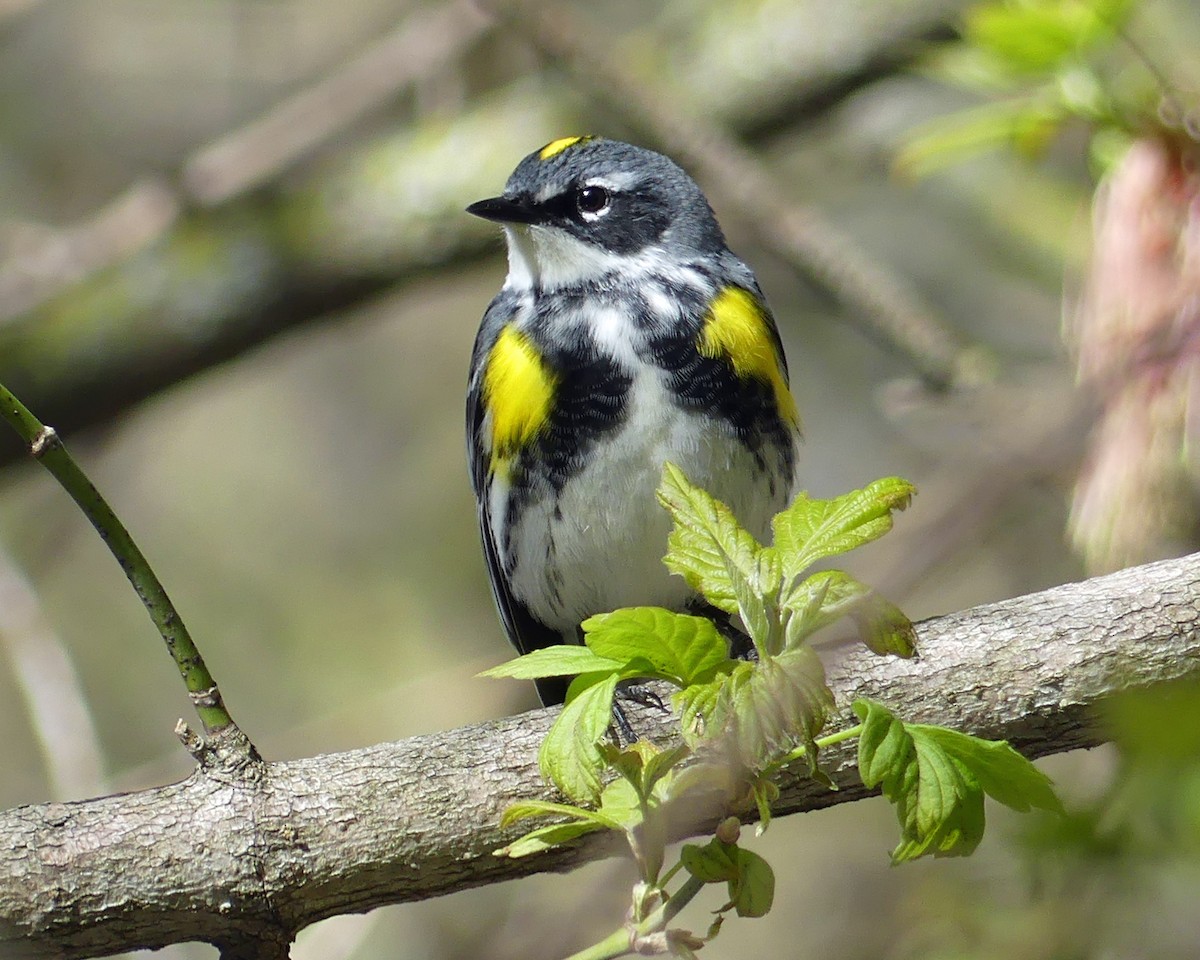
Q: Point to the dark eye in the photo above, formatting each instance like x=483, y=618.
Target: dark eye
x=592, y=200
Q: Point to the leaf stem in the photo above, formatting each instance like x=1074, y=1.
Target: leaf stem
x=620, y=943
x=828, y=741
x=48, y=449
x=848, y=734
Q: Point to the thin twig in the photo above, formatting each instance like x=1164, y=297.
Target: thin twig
x=46, y=447
x=799, y=235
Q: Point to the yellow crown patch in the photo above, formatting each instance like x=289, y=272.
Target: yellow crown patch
x=555, y=147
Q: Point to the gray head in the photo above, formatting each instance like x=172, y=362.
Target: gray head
x=581, y=207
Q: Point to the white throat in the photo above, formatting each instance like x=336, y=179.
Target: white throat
x=546, y=258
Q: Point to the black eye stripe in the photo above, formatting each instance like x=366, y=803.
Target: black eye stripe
x=573, y=204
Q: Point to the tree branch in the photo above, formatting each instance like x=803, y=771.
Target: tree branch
x=245, y=860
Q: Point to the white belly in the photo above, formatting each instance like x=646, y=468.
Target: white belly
x=602, y=547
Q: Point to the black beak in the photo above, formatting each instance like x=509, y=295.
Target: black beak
x=506, y=210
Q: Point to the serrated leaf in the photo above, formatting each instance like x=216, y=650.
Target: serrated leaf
x=761, y=711
x=563, y=660
x=546, y=838
x=824, y=598
x=784, y=702
x=1003, y=773
x=699, y=706
x=662, y=764
x=753, y=892
x=756, y=589
x=619, y=803
x=679, y=648
x=568, y=757
x=705, y=536
x=936, y=779
x=706, y=709
x=643, y=764
x=811, y=529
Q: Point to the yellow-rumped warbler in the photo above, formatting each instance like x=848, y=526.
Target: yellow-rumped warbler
x=626, y=334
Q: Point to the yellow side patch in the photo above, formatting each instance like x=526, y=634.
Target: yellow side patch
x=555, y=147
x=518, y=392
x=736, y=328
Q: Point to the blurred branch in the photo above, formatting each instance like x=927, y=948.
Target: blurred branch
x=800, y=236
x=63, y=258
x=54, y=697
x=427, y=41
x=222, y=279
x=1019, y=442
x=241, y=160
x=246, y=862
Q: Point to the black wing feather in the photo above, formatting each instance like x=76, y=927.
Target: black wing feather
x=525, y=632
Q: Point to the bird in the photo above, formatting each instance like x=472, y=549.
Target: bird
x=626, y=334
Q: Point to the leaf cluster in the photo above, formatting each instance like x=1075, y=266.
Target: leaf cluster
x=743, y=719
x=1040, y=65
x=752, y=711
x=936, y=779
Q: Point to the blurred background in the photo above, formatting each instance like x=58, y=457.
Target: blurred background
x=235, y=273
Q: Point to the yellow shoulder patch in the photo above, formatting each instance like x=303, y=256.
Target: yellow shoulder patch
x=555, y=147
x=737, y=328
x=518, y=393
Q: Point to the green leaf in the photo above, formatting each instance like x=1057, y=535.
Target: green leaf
x=810, y=529
x=1027, y=124
x=883, y=627
x=679, y=648
x=884, y=746
x=705, y=536
x=1005, y=775
x=1036, y=38
x=936, y=779
x=546, y=838
x=619, y=803
x=524, y=809
x=756, y=589
x=761, y=711
x=766, y=792
x=753, y=892
x=569, y=757
x=557, y=661
x=700, y=706
x=825, y=597
x=750, y=878
x=643, y=764
x=715, y=862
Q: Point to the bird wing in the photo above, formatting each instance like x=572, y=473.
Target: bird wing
x=524, y=631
